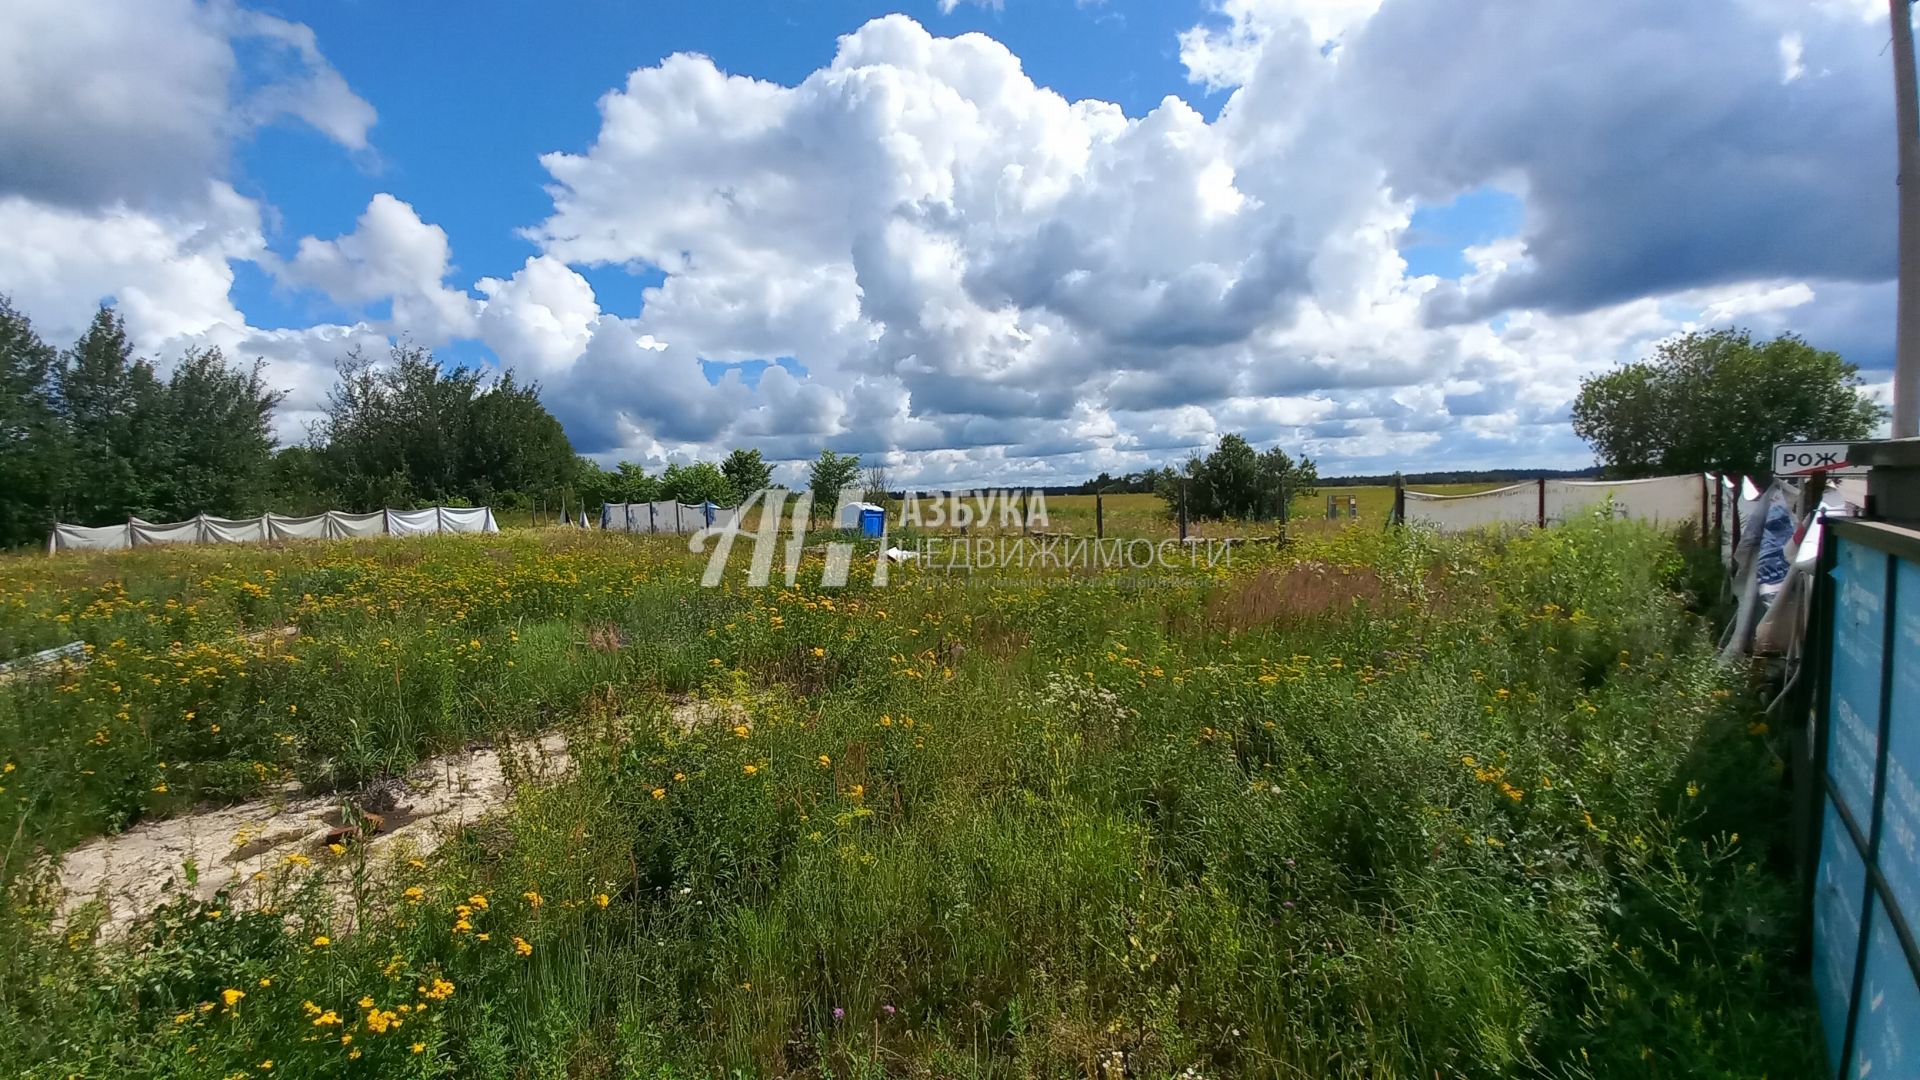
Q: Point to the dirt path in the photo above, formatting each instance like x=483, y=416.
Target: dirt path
x=242, y=846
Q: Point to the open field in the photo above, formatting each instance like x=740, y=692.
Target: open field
x=1132, y=514
x=1146, y=515
x=1378, y=804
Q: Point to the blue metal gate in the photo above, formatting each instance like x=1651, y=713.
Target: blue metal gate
x=1866, y=890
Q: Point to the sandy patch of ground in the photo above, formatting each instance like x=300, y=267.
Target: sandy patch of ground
x=241, y=847
x=255, y=848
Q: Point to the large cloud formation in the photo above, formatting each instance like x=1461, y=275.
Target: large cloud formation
x=975, y=279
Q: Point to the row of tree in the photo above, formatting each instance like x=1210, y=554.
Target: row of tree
x=738, y=475
x=1235, y=481
x=90, y=434
x=93, y=434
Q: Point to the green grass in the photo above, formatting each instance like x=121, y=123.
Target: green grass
x=1377, y=804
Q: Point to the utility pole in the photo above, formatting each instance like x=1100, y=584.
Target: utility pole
x=1906, y=363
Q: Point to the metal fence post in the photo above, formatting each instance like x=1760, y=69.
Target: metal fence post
x=1703, y=508
x=1719, y=510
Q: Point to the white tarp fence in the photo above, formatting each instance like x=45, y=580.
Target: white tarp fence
x=658, y=517
x=1514, y=503
x=1667, y=500
x=332, y=525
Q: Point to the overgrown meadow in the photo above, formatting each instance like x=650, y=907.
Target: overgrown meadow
x=1378, y=804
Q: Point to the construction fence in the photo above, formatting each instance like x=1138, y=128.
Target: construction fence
x=331, y=525
x=1667, y=500
x=657, y=517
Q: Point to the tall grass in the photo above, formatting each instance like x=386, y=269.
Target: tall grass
x=1380, y=804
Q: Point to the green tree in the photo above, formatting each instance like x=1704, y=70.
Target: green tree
x=1283, y=477
x=1234, y=481
x=1227, y=483
x=516, y=451
x=32, y=437
x=632, y=484
x=409, y=432
x=298, y=482
x=112, y=405
x=747, y=472
x=697, y=483
x=592, y=485
x=828, y=474
x=1717, y=401
x=217, y=437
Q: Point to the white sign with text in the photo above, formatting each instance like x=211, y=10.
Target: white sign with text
x=1801, y=459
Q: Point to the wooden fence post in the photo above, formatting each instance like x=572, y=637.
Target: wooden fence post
x=1542, y=513
x=1099, y=518
x=1183, y=509
x=1399, y=500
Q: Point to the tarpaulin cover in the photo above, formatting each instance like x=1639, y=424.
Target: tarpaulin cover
x=656, y=517
x=311, y=527
x=1516, y=503
x=332, y=525
x=413, y=522
x=341, y=526
x=146, y=532
x=215, y=530
x=1666, y=500
x=467, y=519
x=85, y=538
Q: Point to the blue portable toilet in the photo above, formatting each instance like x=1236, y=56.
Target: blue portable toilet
x=873, y=522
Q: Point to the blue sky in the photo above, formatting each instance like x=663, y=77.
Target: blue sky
x=466, y=149
x=1019, y=242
